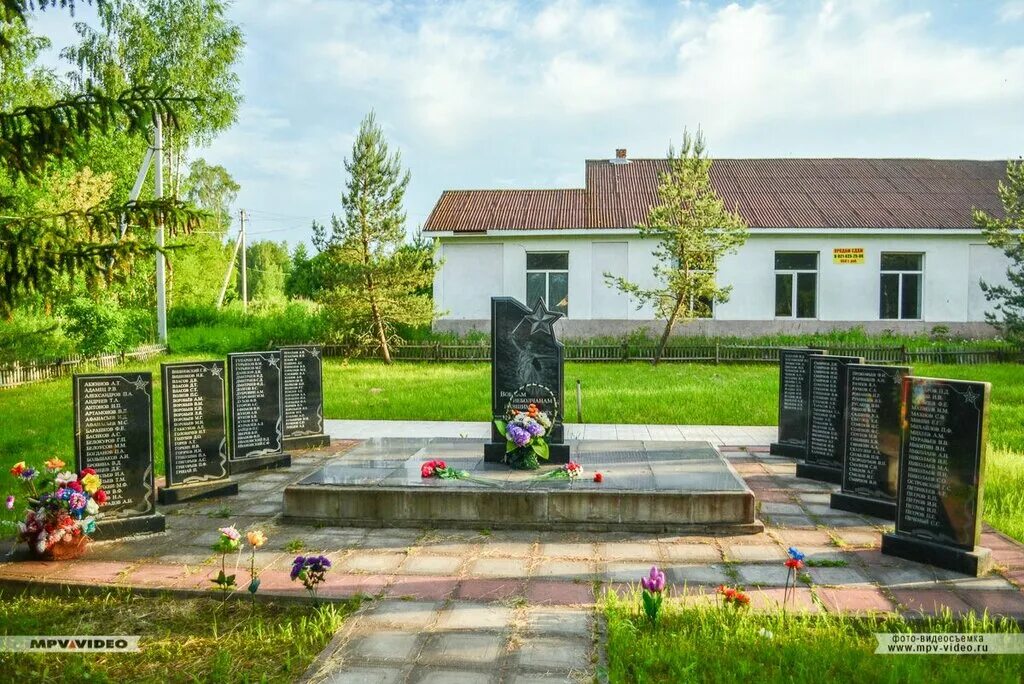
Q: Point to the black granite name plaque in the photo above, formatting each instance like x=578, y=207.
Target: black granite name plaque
x=872, y=440
x=942, y=459
x=526, y=364
x=794, y=394
x=114, y=436
x=195, y=432
x=826, y=417
x=257, y=421
x=303, y=396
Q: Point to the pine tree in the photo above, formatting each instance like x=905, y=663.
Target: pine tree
x=694, y=230
x=1007, y=233
x=375, y=284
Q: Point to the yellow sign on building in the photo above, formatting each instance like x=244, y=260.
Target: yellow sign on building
x=848, y=255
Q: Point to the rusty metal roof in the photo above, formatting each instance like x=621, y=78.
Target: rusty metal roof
x=768, y=193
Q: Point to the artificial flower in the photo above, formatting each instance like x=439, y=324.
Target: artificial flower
x=18, y=468
x=256, y=538
x=29, y=474
x=10, y=501
x=54, y=463
x=598, y=477
x=231, y=533
x=91, y=482
x=75, y=486
x=794, y=564
x=65, y=477
x=100, y=496
x=655, y=581
x=795, y=554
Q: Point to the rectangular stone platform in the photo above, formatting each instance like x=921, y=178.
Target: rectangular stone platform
x=648, y=486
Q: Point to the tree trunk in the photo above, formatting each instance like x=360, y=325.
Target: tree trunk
x=379, y=324
x=668, y=329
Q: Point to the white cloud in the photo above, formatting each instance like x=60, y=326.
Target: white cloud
x=1012, y=10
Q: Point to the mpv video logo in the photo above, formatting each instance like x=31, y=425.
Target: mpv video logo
x=88, y=644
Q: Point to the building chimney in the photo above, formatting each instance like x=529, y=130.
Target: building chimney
x=620, y=153
x=620, y=157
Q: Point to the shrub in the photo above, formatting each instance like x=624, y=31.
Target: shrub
x=104, y=327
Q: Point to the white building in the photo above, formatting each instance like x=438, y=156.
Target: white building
x=885, y=244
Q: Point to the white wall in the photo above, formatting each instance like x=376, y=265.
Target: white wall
x=477, y=268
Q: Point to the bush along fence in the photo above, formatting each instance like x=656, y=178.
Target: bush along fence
x=696, y=353
x=23, y=373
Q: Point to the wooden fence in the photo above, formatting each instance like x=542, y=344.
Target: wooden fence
x=695, y=353
x=24, y=373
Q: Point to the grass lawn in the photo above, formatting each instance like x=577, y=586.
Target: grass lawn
x=714, y=644
x=36, y=420
x=183, y=640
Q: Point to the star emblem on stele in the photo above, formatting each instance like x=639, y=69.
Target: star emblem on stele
x=140, y=383
x=541, y=318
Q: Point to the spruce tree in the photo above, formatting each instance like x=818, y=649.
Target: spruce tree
x=375, y=285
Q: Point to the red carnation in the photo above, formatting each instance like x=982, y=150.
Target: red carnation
x=598, y=477
x=77, y=486
x=427, y=470
x=794, y=564
x=86, y=471
x=100, y=496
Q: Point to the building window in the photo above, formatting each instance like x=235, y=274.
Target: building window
x=547, y=277
x=796, y=284
x=702, y=306
x=900, y=292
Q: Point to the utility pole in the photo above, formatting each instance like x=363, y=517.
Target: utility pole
x=231, y=269
x=245, y=279
x=161, y=265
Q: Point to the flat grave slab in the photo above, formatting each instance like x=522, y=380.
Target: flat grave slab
x=646, y=486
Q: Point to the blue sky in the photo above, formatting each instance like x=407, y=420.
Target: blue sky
x=517, y=94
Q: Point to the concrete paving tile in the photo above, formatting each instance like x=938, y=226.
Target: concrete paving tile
x=631, y=551
x=365, y=675
x=474, y=616
x=811, y=498
x=989, y=583
x=545, y=621
x=690, y=575
x=565, y=570
x=774, y=508
x=690, y=553
x=845, y=577
x=422, y=587
x=825, y=553
x=423, y=564
x=754, y=554
x=549, y=593
x=404, y=615
x=626, y=572
x=765, y=575
x=567, y=550
x=341, y=585
x=489, y=589
x=454, y=648
x=1008, y=603
x=931, y=601
x=498, y=567
x=448, y=676
x=554, y=654
x=798, y=522
x=912, y=575
x=802, y=538
x=384, y=645
x=513, y=549
x=866, y=600
x=860, y=538
x=799, y=600
x=361, y=561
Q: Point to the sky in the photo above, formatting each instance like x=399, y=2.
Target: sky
x=510, y=93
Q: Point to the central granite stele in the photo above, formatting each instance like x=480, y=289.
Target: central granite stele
x=646, y=486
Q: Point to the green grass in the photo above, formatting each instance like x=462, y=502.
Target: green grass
x=183, y=640
x=36, y=420
x=714, y=644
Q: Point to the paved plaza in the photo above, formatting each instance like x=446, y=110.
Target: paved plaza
x=465, y=605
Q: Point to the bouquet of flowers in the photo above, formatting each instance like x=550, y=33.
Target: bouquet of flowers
x=62, y=507
x=571, y=471
x=526, y=437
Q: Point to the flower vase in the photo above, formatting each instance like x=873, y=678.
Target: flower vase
x=64, y=550
x=522, y=458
